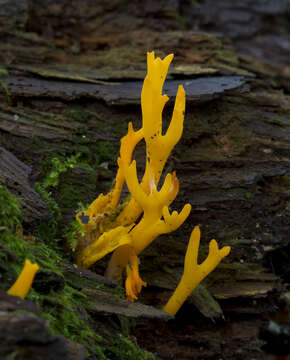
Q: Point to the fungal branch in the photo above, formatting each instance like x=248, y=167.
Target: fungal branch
x=193, y=273
x=158, y=146
x=100, y=215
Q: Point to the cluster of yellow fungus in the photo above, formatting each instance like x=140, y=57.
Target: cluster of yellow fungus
x=111, y=227
x=24, y=281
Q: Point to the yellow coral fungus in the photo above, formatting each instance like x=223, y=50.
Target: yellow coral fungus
x=23, y=283
x=193, y=273
x=110, y=227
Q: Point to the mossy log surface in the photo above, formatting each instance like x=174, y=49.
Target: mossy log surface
x=74, y=83
x=32, y=336
x=14, y=174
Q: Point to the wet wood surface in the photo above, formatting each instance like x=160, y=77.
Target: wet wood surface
x=74, y=83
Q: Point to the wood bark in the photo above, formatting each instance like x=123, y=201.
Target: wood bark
x=74, y=83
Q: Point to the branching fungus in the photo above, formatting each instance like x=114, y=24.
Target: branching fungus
x=111, y=227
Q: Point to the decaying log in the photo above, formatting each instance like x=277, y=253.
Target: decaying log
x=13, y=14
x=23, y=332
x=14, y=174
x=74, y=84
x=198, y=90
x=105, y=303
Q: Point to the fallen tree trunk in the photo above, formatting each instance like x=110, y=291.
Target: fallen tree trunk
x=233, y=161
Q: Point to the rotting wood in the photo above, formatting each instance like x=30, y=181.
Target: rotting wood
x=198, y=90
x=22, y=331
x=233, y=160
x=105, y=303
x=14, y=174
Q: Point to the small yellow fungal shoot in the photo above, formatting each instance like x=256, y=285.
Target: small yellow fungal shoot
x=23, y=283
x=133, y=282
x=193, y=273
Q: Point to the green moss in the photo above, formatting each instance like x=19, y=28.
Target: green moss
x=61, y=188
x=67, y=318
x=55, y=166
x=123, y=348
x=10, y=216
x=228, y=57
x=68, y=314
x=118, y=58
x=248, y=195
x=71, y=234
x=106, y=151
x=10, y=212
x=71, y=192
x=48, y=199
x=4, y=72
x=76, y=114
